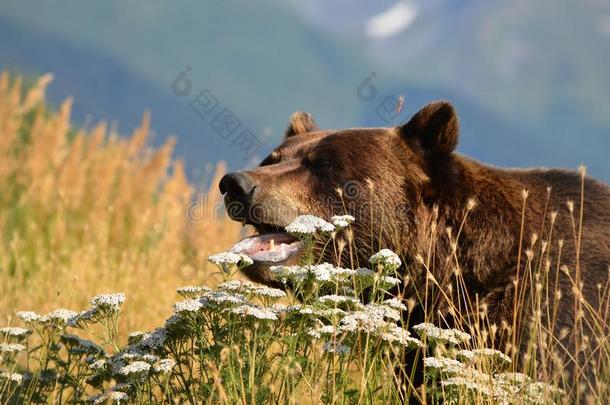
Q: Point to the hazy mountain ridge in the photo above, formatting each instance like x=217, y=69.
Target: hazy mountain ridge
x=264, y=60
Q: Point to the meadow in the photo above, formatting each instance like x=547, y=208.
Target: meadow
x=84, y=212
x=115, y=289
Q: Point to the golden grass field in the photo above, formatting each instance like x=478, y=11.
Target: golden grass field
x=84, y=212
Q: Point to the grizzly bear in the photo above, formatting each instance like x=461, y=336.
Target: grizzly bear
x=484, y=241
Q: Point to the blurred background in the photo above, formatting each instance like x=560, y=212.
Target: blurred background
x=530, y=79
x=88, y=207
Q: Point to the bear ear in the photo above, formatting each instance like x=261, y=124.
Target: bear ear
x=300, y=123
x=435, y=128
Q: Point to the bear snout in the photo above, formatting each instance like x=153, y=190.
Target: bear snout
x=237, y=189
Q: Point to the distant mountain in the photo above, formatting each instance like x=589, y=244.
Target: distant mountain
x=541, y=66
x=260, y=61
x=529, y=78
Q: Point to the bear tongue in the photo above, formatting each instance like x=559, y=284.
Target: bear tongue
x=271, y=248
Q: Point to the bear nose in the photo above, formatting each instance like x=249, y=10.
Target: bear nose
x=237, y=186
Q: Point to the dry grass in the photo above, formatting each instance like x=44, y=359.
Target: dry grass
x=88, y=212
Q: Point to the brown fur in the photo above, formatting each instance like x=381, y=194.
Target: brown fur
x=410, y=192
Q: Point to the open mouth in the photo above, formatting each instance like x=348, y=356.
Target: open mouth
x=270, y=247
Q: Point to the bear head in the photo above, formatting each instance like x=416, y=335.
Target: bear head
x=388, y=179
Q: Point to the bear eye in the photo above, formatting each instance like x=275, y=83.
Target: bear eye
x=322, y=164
x=272, y=159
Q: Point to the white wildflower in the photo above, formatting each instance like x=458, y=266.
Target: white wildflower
x=324, y=330
x=322, y=312
x=460, y=383
x=334, y=347
x=281, y=309
x=484, y=353
x=150, y=358
x=382, y=311
x=193, y=291
x=164, y=366
x=387, y=258
x=186, y=306
x=388, y=281
x=513, y=378
x=15, y=332
x=28, y=316
x=306, y=225
x=338, y=299
x=11, y=347
x=108, y=302
x=60, y=317
x=135, y=337
x=13, y=377
x=443, y=364
x=396, y=304
x=362, y=321
x=438, y=335
x=89, y=316
x=137, y=367
x=363, y=272
x=368, y=277
x=255, y=311
x=235, y=285
x=324, y=272
x=155, y=339
x=251, y=289
x=467, y=355
x=540, y=393
x=223, y=297
x=172, y=321
x=267, y=292
x=342, y=221
x=98, y=365
x=118, y=396
x=396, y=334
x=227, y=259
x=461, y=337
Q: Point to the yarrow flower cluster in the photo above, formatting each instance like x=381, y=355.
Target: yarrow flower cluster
x=226, y=259
x=437, y=335
x=485, y=353
x=13, y=377
x=216, y=334
x=342, y=221
x=368, y=277
x=15, y=332
x=247, y=288
x=387, y=258
x=59, y=317
x=28, y=317
x=339, y=299
x=11, y=347
x=309, y=225
x=193, y=291
x=135, y=368
x=164, y=366
x=254, y=311
x=108, y=302
x=324, y=272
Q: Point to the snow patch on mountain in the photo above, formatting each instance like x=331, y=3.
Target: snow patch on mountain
x=391, y=21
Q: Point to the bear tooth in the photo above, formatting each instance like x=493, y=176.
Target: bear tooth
x=272, y=245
